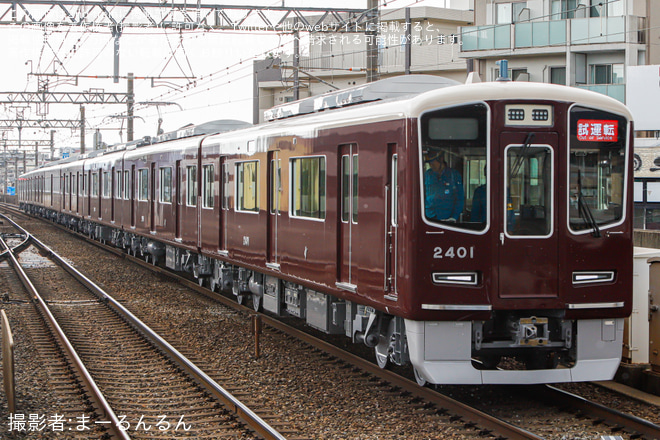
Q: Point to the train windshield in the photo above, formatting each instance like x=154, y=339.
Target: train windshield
x=597, y=169
x=455, y=167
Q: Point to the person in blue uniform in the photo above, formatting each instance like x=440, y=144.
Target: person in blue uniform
x=479, y=205
x=443, y=190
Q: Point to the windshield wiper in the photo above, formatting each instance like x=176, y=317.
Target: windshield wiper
x=522, y=154
x=584, y=210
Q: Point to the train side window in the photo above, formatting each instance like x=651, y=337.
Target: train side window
x=106, y=184
x=95, y=184
x=345, y=186
x=355, y=188
x=308, y=187
x=165, y=185
x=143, y=184
x=191, y=185
x=275, y=185
x=247, y=175
x=118, y=182
x=127, y=184
x=349, y=188
x=394, y=216
x=208, y=181
x=226, y=186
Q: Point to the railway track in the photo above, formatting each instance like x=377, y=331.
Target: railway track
x=426, y=399
x=140, y=386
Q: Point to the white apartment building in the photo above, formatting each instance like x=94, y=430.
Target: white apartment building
x=581, y=43
x=337, y=61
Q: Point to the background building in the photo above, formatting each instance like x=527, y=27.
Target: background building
x=581, y=43
x=336, y=61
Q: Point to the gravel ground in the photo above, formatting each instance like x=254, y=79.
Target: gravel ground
x=319, y=397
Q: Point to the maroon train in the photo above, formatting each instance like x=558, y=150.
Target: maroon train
x=338, y=212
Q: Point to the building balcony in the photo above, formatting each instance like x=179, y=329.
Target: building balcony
x=616, y=91
x=541, y=34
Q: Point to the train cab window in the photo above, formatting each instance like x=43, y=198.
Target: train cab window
x=191, y=185
x=528, y=185
x=597, y=169
x=143, y=184
x=308, y=187
x=247, y=176
x=208, y=182
x=165, y=190
x=454, y=152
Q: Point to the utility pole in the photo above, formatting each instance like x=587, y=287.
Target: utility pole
x=371, y=35
x=296, y=61
x=82, y=129
x=6, y=173
x=116, y=33
x=130, y=103
x=408, y=46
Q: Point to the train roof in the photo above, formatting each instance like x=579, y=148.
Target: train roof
x=424, y=90
x=379, y=104
x=397, y=87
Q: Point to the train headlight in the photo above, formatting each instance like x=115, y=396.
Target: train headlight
x=464, y=278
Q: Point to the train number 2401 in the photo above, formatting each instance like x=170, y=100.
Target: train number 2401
x=454, y=252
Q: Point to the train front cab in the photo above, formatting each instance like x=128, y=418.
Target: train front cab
x=539, y=271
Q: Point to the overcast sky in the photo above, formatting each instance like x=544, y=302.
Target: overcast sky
x=212, y=72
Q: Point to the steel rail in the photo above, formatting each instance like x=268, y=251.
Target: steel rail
x=95, y=394
x=251, y=419
x=486, y=421
x=628, y=422
x=554, y=395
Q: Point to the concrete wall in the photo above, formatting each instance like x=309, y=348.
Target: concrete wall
x=646, y=238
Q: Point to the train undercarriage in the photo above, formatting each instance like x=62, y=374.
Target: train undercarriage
x=531, y=346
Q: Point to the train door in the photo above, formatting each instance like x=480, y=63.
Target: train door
x=113, y=193
x=89, y=193
x=152, y=198
x=348, y=214
x=133, y=198
x=528, y=243
x=274, y=207
x=225, y=194
x=178, y=178
x=391, y=223
x=208, y=207
x=75, y=188
x=79, y=191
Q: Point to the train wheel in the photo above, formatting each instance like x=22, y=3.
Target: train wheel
x=420, y=380
x=213, y=284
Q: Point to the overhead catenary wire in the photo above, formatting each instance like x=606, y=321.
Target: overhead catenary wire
x=220, y=78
